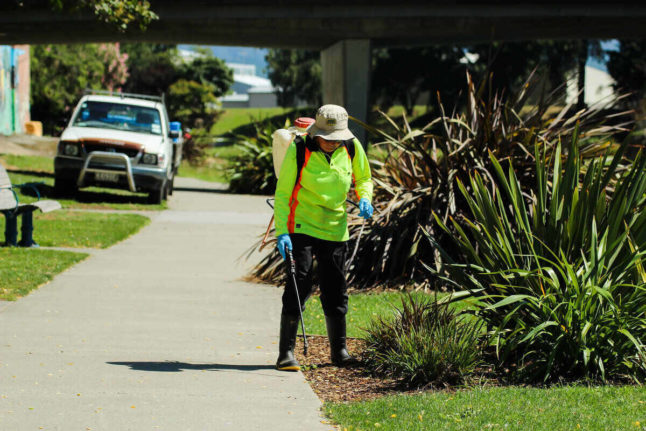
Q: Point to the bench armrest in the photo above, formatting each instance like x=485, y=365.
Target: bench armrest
x=31, y=185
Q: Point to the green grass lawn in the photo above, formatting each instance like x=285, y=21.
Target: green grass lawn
x=214, y=165
x=29, y=163
x=362, y=309
x=397, y=111
x=23, y=270
x=501, y=408
x=36, y=169
x=82, y=229
x=232, y=118
x=209, y=171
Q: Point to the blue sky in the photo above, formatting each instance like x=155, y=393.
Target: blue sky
x=239, y=54
x=606, y=45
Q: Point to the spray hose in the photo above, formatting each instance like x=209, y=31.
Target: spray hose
x=291, y=269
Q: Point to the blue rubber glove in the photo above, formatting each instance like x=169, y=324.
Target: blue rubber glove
x=284, y=240
x=365, y=209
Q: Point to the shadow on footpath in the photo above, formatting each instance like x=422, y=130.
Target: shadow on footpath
x=174, y=367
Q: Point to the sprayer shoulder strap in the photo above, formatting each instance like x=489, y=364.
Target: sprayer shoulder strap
x=300, y=156
x=350, y=146
x=302, y=145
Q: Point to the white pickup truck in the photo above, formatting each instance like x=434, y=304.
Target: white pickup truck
x=119, y=140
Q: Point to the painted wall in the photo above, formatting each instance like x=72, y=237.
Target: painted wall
x=14, y=88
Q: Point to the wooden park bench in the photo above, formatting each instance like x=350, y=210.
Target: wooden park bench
x=12, y=208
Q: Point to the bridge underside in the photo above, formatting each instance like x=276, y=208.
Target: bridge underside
x=317, y=25
x=344, y=31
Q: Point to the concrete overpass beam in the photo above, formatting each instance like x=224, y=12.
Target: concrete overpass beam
x=346, y=79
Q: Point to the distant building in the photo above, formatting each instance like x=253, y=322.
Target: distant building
x=249, y=90
x=14, y=88
x=599, y=87
x=242, y=69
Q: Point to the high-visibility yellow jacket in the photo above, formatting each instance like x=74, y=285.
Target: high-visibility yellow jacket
x=315, y=205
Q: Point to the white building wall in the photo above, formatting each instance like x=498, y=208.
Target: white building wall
x=234, y=104
x=598, y=87
x=262, y=100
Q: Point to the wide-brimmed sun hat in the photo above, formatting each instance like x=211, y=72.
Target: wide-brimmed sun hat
x=331, y=124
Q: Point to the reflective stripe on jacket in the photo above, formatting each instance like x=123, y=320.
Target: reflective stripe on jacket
x=316, y=204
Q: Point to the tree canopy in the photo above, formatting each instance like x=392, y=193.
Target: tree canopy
x=60, y=73
x=410, y=76
x=296, y=74
x=627, y=66
x=402, y=75
x=121, y=14
x=209, y=70
x=152, y=67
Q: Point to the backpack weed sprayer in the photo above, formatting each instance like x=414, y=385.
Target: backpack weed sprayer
x=281, y=139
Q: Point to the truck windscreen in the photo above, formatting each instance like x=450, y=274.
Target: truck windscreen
x=118, y=116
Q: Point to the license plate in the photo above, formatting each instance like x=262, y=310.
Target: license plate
x=107, y=177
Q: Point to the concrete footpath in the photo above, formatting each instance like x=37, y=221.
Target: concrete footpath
x=156, y=333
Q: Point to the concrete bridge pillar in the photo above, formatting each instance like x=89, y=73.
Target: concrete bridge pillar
x=346, y=79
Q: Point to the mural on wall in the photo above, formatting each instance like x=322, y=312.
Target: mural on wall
x=14, y=88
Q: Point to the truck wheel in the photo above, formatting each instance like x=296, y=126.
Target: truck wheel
x=158, y=195
x=64, y=186
x=171, y=184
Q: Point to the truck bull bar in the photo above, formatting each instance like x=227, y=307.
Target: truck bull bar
x=103, y=157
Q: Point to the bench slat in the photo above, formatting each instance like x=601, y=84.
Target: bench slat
x=7, y=199
x=47, y=206
x=5, y=182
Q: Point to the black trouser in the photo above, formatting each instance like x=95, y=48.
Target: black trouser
x=330, y=259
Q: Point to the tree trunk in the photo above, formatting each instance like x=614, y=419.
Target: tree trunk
x=409, y=104
x=581, y=61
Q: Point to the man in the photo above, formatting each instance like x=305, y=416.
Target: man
x=311, y=220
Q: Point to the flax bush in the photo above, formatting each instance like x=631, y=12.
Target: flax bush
x=559, y=271
x=253, y=170
x=421, y=166
x=424, y=342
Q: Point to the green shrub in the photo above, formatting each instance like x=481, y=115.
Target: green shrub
x=252, y=171
x=193, y=104
x=194, y=148
x=560, y=271
x=425, y=342
x=60, y=74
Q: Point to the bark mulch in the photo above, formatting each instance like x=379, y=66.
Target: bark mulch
x=331, y=383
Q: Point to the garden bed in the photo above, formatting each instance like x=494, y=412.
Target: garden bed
x=335, y=384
